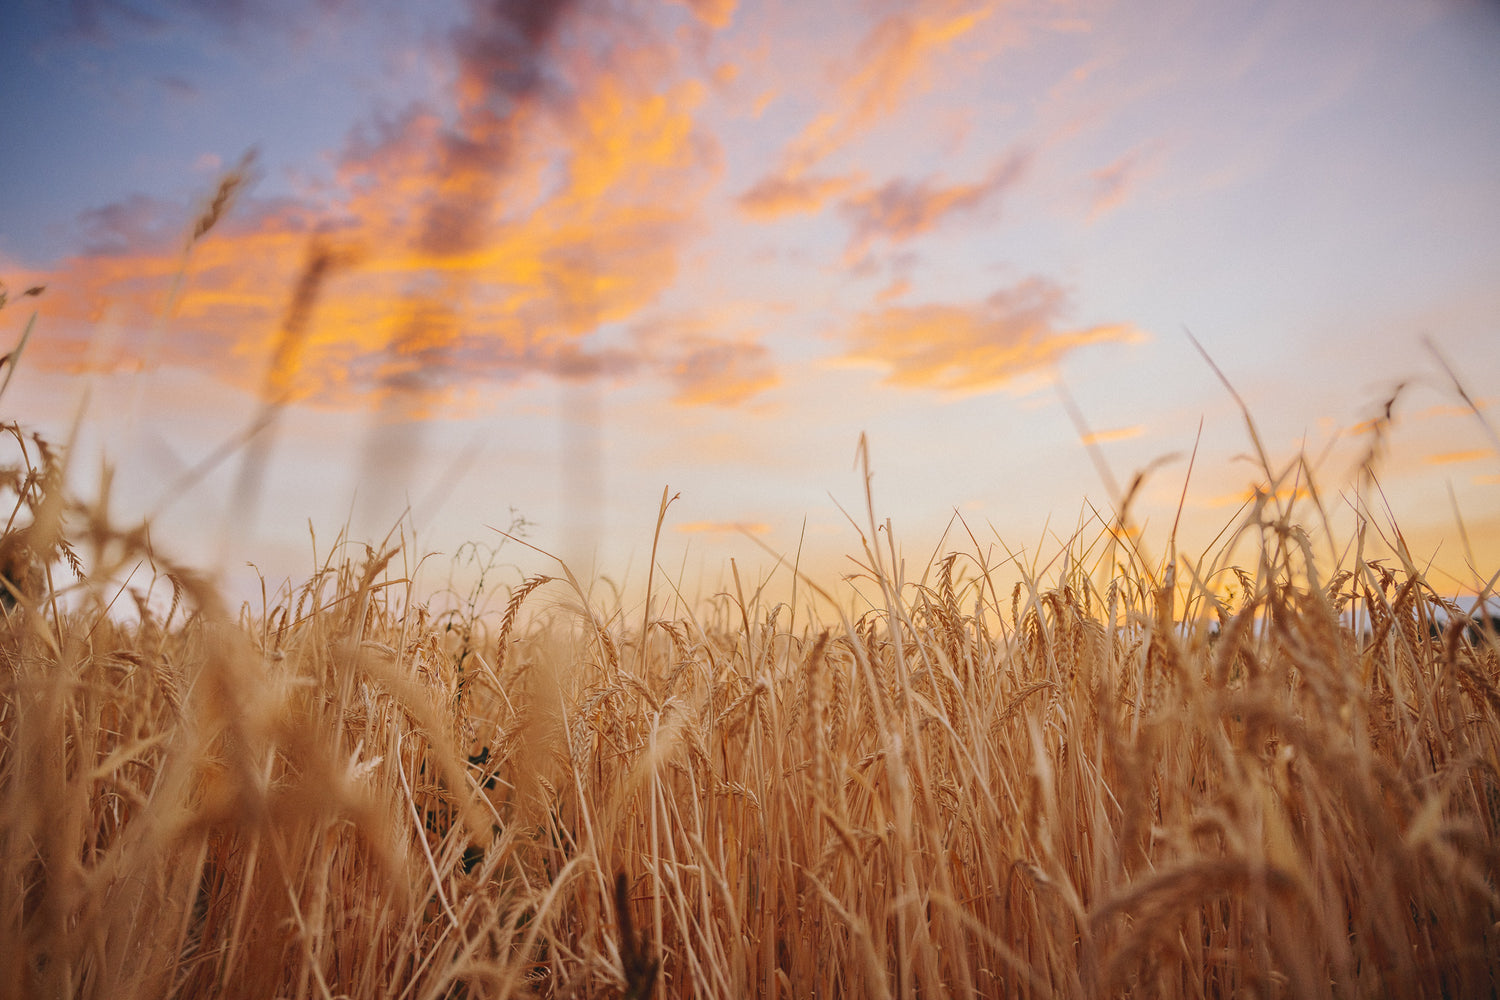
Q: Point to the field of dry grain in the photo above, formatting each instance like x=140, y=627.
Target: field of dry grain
x=1274, y=780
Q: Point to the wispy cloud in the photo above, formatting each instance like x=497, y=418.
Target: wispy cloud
x=777, y=195
x=1114, y=434
x=722, y=373
x=893, y=58
x=705, y=367
x=903, y=209
x=1112, y=184
x=1455, y=457
x=1284, y=495
x=897, y=288
x=973, y=348
x=1456, y=409
x=724, y=527
x=178, y=88
x=136, y=225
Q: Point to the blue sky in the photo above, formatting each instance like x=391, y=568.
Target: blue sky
x=581, y=251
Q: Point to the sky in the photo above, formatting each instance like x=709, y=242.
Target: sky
x=484, y=263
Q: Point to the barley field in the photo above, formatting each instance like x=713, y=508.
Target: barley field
x=1276, y=779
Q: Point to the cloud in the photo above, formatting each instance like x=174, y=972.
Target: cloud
x=419, y=199
x=980, y=347
x=722, y=372
x=897, y=288
x=136, y=224
x=1455, y=409
x=1111, y=185
x=1454, y=457
x=1249, y=495
x=1114, y=434
x=714, y=13
x=488, y=238
x=777, y=195
x=504, y=54
x=892, y=59
x=176, y=87
x=724, y=527
x=229, y=292
x=706, y=367
x=903, y=209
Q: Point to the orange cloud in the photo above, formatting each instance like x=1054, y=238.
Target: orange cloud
x=903, y=209
x=980, y=347
x=1286, y=494
x=488, y=245
x=1456, y=410
x=724, y=527
x=706, y=367
x=892, y=59
x=782, y=194
x=722, y=373
x=230, y=295
x=1115, y=434
x=714, y=13
x=764, y=101
x=896, y=289
x=1112, y=184
x=1451, y=457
